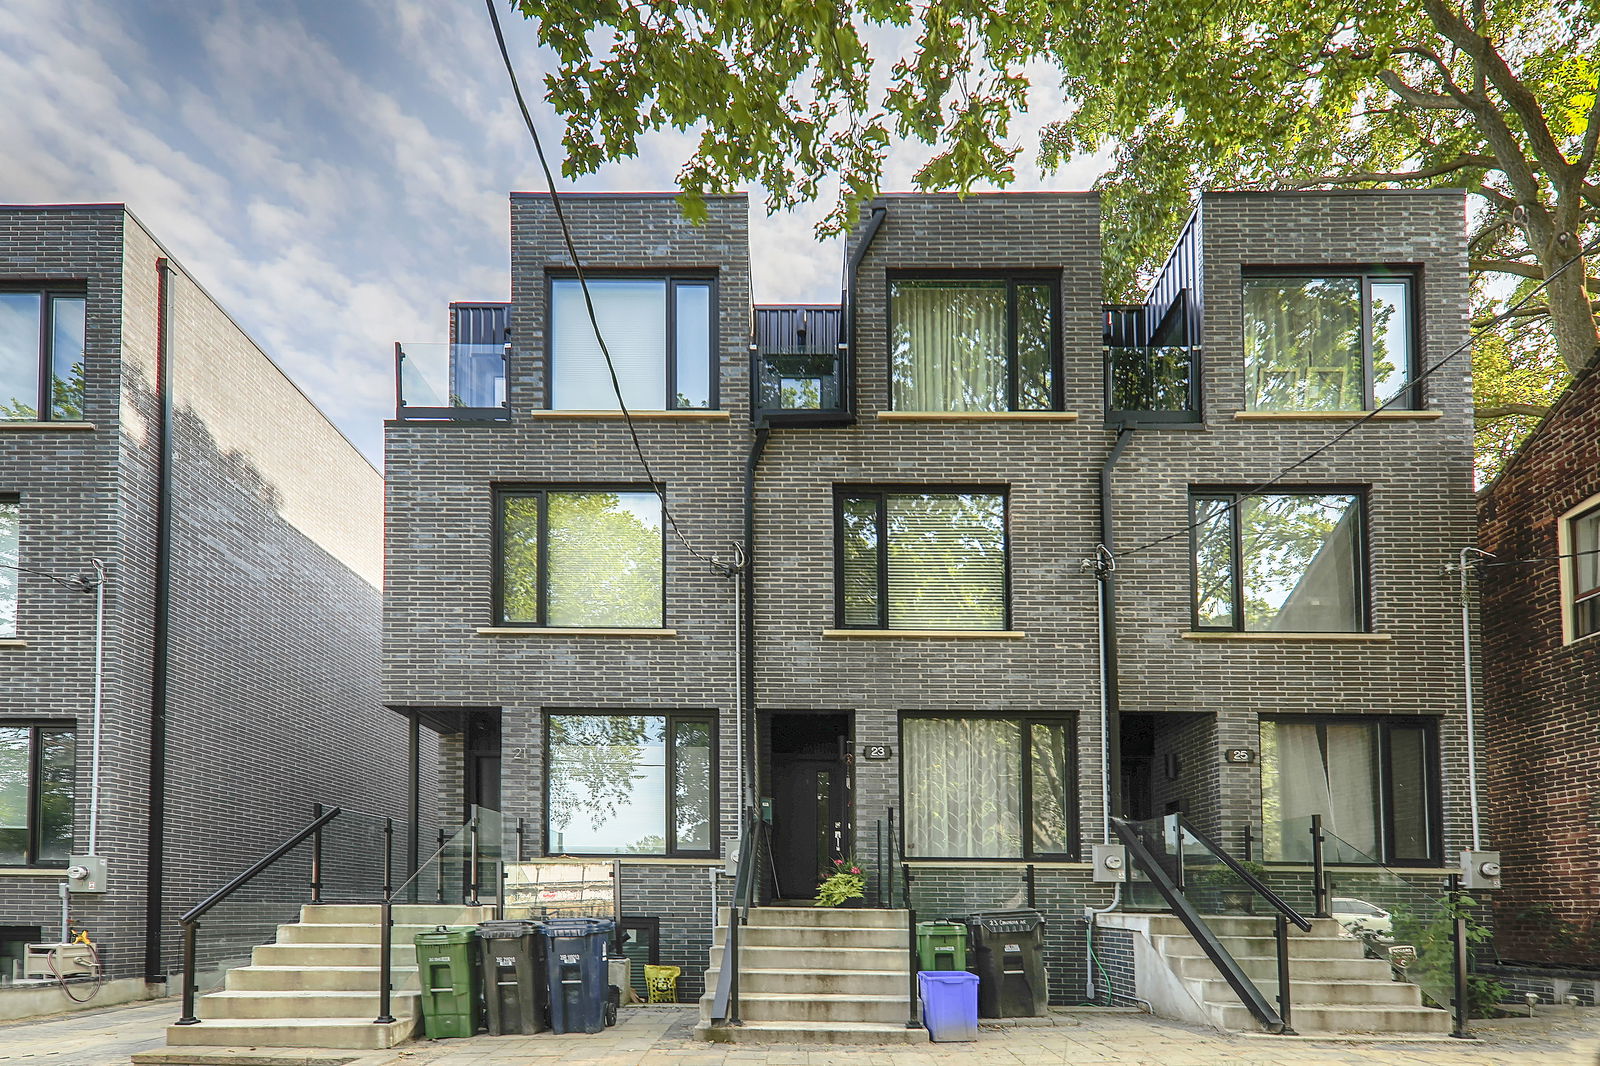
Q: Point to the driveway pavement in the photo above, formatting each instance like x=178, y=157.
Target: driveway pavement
x=660, y=1036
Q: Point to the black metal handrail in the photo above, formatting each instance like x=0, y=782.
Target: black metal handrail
x=1243, y=987
x=386, y=923
x=1246, y=876
x=725, y=1001
x=190, y=919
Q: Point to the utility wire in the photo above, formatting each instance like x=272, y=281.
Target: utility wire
x=1539, y=558
x=577, y=265
x=81, y=583
x=1498, y=319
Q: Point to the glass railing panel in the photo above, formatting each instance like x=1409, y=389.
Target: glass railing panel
x=798, y=381
x=354, y=849
x=442, y=377
x=1150, y=379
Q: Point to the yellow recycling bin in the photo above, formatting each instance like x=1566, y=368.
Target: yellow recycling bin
x=662, y=981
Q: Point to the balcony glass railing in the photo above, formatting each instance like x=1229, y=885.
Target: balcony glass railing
x=451, y=381
x=799, y=381
x=1157, y=381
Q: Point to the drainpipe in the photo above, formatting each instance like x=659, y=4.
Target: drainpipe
x=874, y=221
x=99, y=702
x=747, y=591
x=1466, y=669
x=155, y=839
x=1105, y=570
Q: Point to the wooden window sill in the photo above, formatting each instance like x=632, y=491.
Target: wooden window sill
x=1002, y=864
x=553, y=631
x=1336, y=416
x=33, y=871
x=12, y=642
x=977, y=416
x=23, y=427
x=1303, y=638
x=923, y=634
x=642, y=416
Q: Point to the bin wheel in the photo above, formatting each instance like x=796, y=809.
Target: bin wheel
x=613, y=1001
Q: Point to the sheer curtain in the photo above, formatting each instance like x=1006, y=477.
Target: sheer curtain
x=633, y=317
x=1339, y=782
x=949, y=345
x=963, y=787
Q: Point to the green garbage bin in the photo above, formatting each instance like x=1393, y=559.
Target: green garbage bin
x=941, y=946
x=448, y=976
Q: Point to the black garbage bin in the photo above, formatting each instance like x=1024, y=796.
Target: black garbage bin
x=511, y=960
x=575, y=960
x=1006, y=951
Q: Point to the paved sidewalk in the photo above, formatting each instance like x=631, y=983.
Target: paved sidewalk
x=88, y=1038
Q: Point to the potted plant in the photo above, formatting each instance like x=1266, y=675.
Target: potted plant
x=1235, y=895
x=845, y=887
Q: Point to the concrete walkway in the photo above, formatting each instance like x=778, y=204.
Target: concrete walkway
x=660, y=1036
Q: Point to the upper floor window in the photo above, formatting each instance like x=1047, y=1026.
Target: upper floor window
x=41, y=355
x=1288, y=562
x=38, y=785
x=1582, y=543
x=972, y=344
x=921, y=560
x=1335, y=342
x=661, y=335
x=10, y=538
x=581, y=558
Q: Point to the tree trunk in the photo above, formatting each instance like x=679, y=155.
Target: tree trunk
x=1572, y=322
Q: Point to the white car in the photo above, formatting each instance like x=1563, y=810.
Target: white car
x=1359, y=916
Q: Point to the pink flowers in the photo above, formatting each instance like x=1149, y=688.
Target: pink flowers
x=840, y=862
x=855, y=869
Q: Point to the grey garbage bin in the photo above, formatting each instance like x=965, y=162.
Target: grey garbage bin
x=511, y=960
x=1006, y=951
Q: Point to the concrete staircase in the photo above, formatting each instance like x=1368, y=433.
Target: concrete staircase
x=317, y=986
x=816, y=975
x=1333, y=988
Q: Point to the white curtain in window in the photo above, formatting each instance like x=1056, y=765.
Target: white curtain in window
x=1339, y=782
x=633, y=318
x=963, y=787
x=10, y=533
x=949, y=345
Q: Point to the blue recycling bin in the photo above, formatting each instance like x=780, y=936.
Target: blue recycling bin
x=949, y=1004
x=580, y=984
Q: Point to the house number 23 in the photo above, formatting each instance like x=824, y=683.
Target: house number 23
x=876, y=751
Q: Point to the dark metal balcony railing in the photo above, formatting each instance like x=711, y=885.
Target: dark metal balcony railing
x=459, y=382
x=1157, y=383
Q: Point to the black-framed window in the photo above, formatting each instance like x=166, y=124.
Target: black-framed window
x=989, y=786
x=41, y=354
x=973, y=344
x=660, y=331
x=921, y=558
x=1374, y=781
x=589, y=556
x=1583, y=542
x=10, y=558
x=630, y=784
x=1337, y=341
x=38, y=787
x=1291, y=561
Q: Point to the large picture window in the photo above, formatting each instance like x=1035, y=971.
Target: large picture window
x=1329, y=343
x=661, y=335
x=38, y=786
x=631, y=784
x=1582, y=543
x=10, y=576
x=921, y=560
x=41, y=355
x=1278, y=562
x=989, y=787
x=972, y=345
x=583, y=557
x=1374, y=782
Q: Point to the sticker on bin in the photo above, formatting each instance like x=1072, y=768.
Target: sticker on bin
x=1013, y=947
x=570, y=960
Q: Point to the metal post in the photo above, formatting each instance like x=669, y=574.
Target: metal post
x=1033, y=896
x=1459, y=960
x=730, y=956
x=316, y=856
x=472, y=859
x=1284, y=1006
x=894, y=850
x=1177, y=847
x=1319, y=872
x=188, y=1017
x=521, y=834
x=439, y=880
x=385, y=949
x=388, y=858
x=1249, y=843
x=913, y=1018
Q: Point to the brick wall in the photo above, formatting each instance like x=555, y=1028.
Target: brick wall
x=1541, y=713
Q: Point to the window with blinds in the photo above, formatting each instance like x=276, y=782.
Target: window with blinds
x=922, y=560
x=588, y=558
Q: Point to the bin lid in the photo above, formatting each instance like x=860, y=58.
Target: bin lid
x=461, y=934
x=1018, y=921
x=507, y=929
x=575, y=926
x=941, y=928
x=947, y=977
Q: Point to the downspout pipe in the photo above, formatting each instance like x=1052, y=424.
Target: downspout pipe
x=874, y=221
x=1105, y=571
x=747, y=753
x=156, y=837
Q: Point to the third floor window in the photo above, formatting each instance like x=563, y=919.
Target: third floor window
x=661, y=335
x=41, y=355
x=1329, y=342
x=972, y=344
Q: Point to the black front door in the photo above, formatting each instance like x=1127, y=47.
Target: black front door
x=811, y=799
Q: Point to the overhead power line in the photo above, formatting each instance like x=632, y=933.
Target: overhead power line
x=588, y=302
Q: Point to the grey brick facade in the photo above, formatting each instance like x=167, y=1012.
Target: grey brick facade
x=272, y=640
x=1204, y=694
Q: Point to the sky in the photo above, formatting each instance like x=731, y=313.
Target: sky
x=335, y=172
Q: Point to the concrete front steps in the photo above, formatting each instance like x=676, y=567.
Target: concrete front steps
x=816, y=975
x=317, y=986
x=1333, y=987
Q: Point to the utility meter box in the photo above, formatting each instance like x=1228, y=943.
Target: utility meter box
x=86, y=873
x=52, y=962
x=1480, y=869
x=1110, y=863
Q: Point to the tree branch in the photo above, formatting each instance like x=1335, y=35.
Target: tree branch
x=1417, y=98
x=1467, y=99
x=1591, y=136
x=1521, y=269
x=1485, y=162
x=1507, y=410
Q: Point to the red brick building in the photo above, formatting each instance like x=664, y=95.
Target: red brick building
x=1541, y=667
